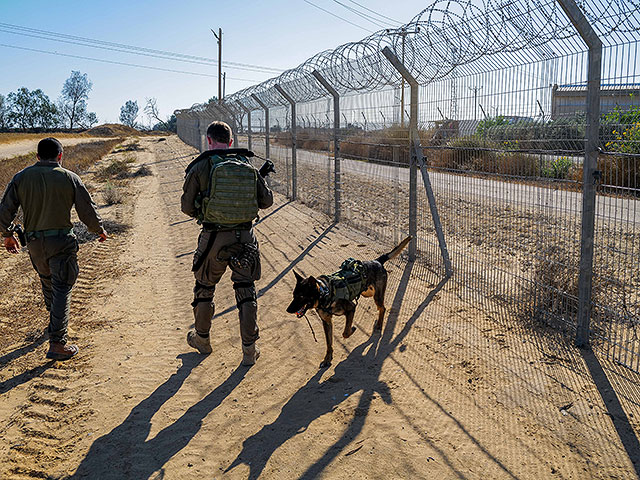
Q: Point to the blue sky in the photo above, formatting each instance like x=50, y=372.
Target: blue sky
x=277, y=33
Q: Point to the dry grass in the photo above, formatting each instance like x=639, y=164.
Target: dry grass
x=119, y=169
x=18, y=136
x=112, y=194
x=77, y=158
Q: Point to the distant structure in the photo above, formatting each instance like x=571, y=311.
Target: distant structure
x=567, y=100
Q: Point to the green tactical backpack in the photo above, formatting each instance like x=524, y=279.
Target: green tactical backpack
x=232, y=196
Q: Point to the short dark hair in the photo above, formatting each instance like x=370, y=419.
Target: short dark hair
x=219, y=132
x=49, y=148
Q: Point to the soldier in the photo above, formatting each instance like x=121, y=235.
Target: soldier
x=224, y=192
x=46, y=192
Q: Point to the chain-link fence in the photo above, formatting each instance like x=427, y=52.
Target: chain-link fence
x=507, y=145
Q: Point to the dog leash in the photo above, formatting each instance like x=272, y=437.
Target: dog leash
x=314, y=333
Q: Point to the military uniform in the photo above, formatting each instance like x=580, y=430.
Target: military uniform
x=216, y=248
x=47, y=192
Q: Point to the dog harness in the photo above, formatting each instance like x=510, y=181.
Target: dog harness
x=345, y=284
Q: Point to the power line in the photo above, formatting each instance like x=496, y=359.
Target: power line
x=121, y=63
x=376, y=13
x=368, y=18
x=338, y=16
x=90, y=42
x=126, y=51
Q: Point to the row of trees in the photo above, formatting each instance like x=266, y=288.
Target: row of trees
x=27, y=109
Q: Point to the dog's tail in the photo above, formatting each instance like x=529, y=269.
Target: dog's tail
x=395, y=252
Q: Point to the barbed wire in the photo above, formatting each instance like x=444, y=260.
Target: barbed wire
x=469, y=35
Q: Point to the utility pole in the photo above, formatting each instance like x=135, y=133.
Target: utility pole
x=403, y=32
x=219, y=38
x=224, y=84
x=475, y=101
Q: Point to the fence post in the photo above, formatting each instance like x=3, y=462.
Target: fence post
x=294, y=162
x=336, y=142
x=234, y=122
x=248, y=112
x=418, y=159
x=590, y=166
x=266, y=123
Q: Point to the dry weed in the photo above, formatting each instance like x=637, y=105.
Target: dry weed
x=112, y=194
x=77, y=158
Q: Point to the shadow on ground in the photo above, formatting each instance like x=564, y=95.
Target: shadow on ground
x=105, y=459
x=362, y=368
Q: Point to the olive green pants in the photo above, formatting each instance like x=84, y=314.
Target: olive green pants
x=209, y=273
x=56, y=262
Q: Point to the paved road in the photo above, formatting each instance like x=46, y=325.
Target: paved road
x=547, y=198
x=25, y=146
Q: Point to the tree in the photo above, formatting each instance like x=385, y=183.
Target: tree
x=89, y=120
x=73, y=102
x=4, y=113
x=129, y=113
x=151, y=109
x=32, y=109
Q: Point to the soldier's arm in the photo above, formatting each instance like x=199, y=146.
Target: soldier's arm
x=85, y=207
x=265, y=195
x=190, y=191
x=8, y=208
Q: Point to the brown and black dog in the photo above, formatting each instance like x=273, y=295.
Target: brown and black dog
x=328, y=295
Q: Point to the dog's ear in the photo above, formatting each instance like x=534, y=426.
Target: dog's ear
x=312, y=281
x=298, y=276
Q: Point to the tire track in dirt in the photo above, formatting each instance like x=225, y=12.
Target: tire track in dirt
x=45, y=425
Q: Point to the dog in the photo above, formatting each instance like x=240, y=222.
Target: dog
x=335, y=294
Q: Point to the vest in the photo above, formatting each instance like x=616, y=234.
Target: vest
x=348, y=282
x=231, y=198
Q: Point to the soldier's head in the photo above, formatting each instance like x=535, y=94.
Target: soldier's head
x=49, y=150
x=219, y=135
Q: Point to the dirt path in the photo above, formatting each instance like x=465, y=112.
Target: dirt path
x=449, y=390
x=25, y=146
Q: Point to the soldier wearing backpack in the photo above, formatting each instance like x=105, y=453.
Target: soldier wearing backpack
x=223, y=191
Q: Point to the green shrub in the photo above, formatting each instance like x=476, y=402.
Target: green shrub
x=558, y=168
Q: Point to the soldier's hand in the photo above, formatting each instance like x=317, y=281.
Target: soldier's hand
x=11, y=244
x=102, y=236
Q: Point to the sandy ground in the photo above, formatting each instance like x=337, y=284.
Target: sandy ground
x=448, y=390
x=25, y=146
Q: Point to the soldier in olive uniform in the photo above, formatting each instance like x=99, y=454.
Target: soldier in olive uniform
x=47, y=192
x=224, y=192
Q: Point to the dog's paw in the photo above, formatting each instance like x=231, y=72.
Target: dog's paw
x=347, y=334
x=325, y=364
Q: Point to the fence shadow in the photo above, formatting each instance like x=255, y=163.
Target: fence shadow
x=362, y=369
x=106, y=459
x=610, y=399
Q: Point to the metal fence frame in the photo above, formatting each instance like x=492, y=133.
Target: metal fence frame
x=319, y=77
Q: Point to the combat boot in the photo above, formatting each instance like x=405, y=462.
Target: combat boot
x=250, y=354
x=61, y=351
x=202, y=344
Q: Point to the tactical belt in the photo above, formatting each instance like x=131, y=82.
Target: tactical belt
x=48, y=233
x=214, y=227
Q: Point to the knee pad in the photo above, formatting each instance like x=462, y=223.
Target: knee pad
x=245, y=292
x=202, y=293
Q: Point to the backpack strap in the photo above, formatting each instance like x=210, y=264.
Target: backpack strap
x=222, y=152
